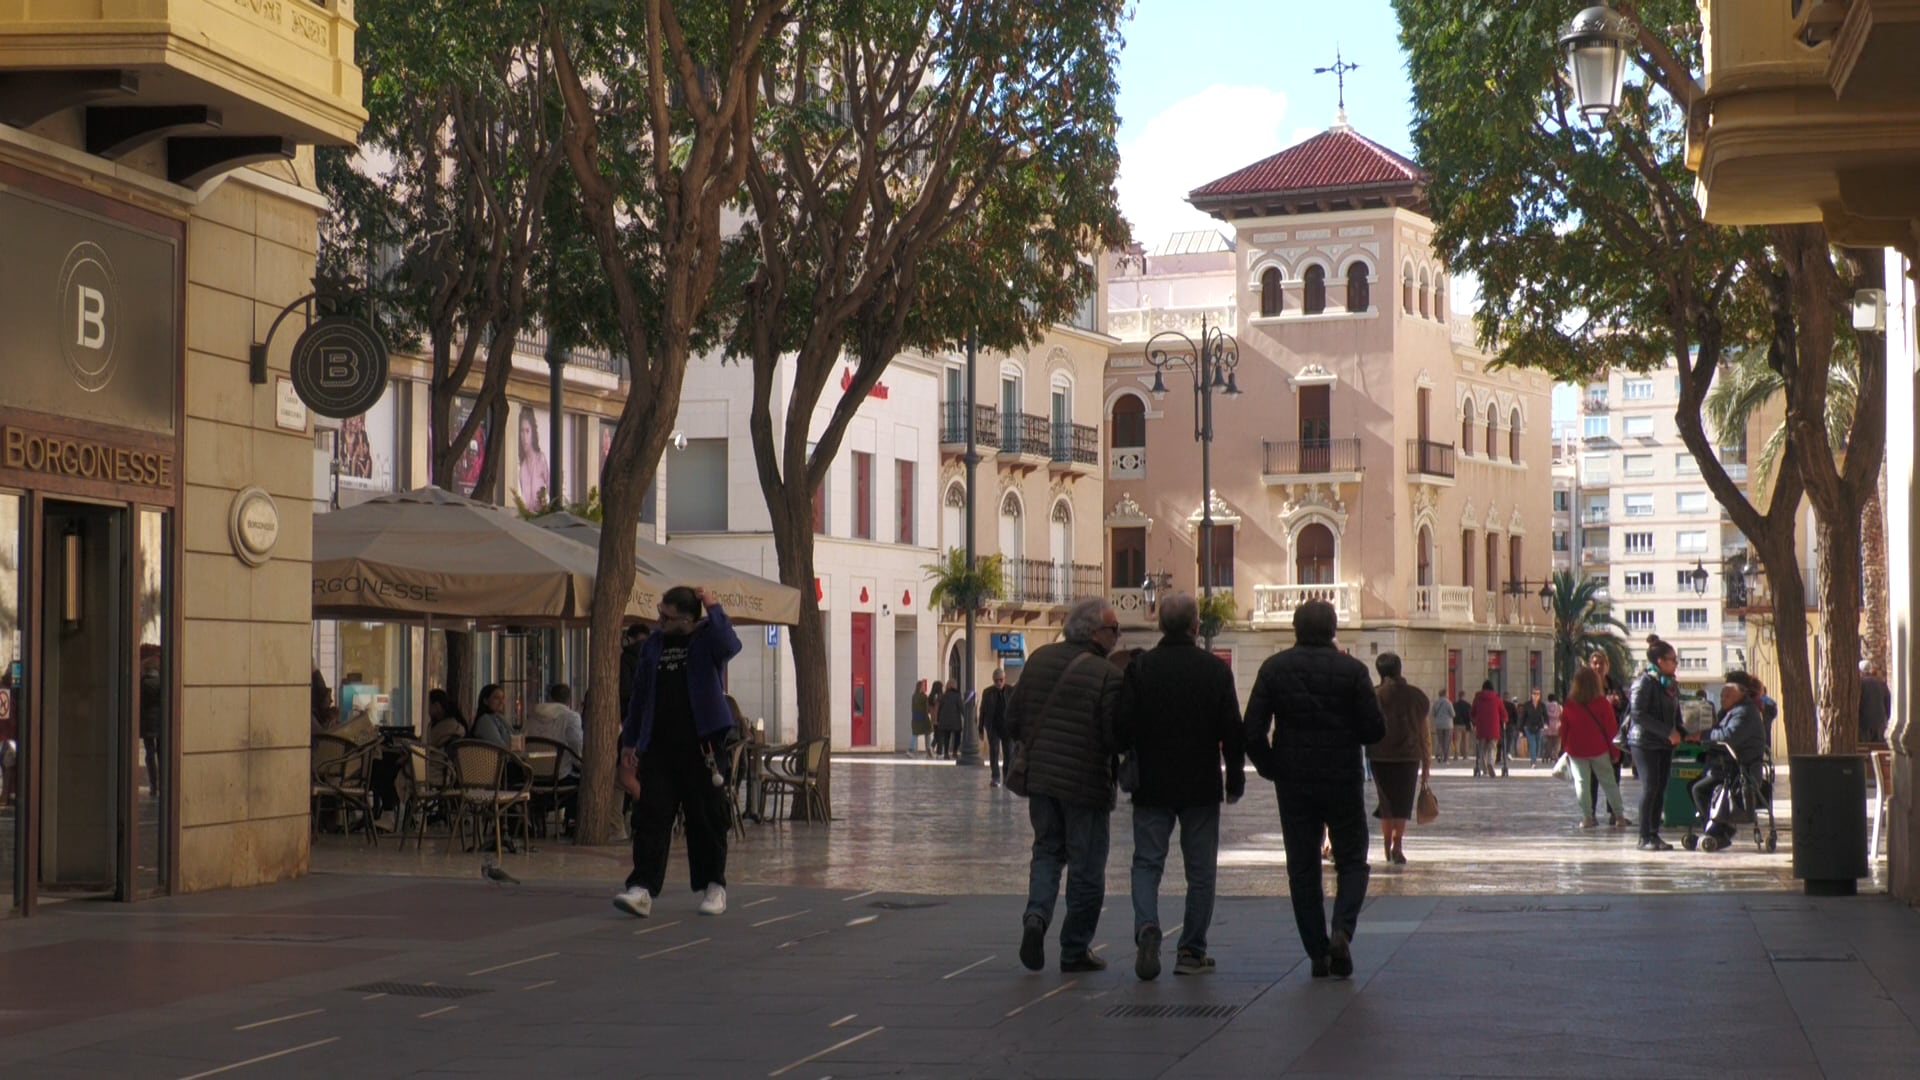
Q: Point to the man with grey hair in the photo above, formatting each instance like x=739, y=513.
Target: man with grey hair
x=1179, y=716
x=1312, y=709
x=993, y=719
x=1062, y=716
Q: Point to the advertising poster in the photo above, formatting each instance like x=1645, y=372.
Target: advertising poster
x=364, y=453
x=530, y=446
x=466, y=472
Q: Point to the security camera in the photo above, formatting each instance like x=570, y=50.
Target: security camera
x=679, y=440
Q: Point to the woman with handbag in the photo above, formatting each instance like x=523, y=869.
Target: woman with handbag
x=1403, y=761
x=1587, y=729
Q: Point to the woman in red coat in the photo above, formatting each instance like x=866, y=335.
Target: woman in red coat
x=1489, y=716
x=1587, y=728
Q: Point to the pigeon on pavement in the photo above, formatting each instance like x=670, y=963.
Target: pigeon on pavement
x=496, y=875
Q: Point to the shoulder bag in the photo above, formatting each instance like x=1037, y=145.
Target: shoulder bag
x=1426, y=808
x=1017, y=761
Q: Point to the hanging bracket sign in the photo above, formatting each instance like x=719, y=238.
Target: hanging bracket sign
x=339, y=364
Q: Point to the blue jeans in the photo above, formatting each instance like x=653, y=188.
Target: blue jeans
x=1074, y=837
x=1199, y=851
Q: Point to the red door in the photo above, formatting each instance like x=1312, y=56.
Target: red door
x=862, y=678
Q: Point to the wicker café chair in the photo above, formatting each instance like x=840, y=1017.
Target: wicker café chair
x=429, y=788
x=555, y=776
x=798, y=774
x=482, y=792
x=341, y=769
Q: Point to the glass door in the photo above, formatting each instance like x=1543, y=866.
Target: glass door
x=13, y=700
x=152, y=791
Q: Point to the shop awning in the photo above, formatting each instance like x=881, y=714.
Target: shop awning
x=746, y=597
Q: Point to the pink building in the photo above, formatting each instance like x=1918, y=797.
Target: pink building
x=1371, y=460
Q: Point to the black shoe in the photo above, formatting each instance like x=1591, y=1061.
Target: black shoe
x=1320, y=967
x=1654, y=843
x=1033, y=943
x=1083, y=962
x=1147, y=963
x=1340, y=955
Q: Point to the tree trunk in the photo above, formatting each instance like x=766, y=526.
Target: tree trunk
x=812, y=681
x=1875, y=643
x=1839, y=683
x=599, y=809
x=1790, y=637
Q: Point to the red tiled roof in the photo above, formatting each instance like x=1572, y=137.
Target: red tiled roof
x=1336, y=158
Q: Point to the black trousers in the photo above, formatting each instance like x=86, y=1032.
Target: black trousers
x=671, y=783
x=1719, y=771
x=995, y=743
x=1341, y=814
x=1654, y=764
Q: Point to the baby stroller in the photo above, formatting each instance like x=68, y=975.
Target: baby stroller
x=1741, y=797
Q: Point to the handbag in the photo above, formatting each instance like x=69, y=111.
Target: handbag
x=1426, y=808
x=1016, y=781
x=1563, y=767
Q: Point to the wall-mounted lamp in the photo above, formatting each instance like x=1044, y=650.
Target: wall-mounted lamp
x=886, y=609
x=70, y=577
x=1870, y=311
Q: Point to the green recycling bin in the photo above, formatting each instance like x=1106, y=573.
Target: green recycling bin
x=1687, y=767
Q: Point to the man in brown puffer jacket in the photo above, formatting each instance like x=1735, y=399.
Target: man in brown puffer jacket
x=1062, y=714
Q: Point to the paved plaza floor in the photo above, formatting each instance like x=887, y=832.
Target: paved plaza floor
x=884, y=945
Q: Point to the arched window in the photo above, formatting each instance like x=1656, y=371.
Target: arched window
x=1271, y=302
x=953, y=510
x=1060, y=552
x=1127, y=430
x=1013, y=544
x=1423, y=555
x=1439, y=298
x=1513, y=558
x=1426, y=294
x=1493, y=432
x=1513, y=436
x=1466, y=557
x=1358, y=296
x=1466, y=429
x=1313, y=556
x=1406, y=290
x=1315, y=300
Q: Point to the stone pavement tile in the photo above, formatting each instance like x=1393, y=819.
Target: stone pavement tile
x=1866, y=1051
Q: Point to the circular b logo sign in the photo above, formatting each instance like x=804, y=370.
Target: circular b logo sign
x=339, y=367
x=88, y=316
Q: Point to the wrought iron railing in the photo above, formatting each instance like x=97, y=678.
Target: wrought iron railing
x=1042, y=581
x=1426, y=458
x=1076, y=444
x=1311, y=457
x=953, y=424
x=1025, y=433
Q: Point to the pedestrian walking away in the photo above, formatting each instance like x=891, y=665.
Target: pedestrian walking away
x=1179, y=721
x=1441, y=716
x=1063, y=714
x=1312, y=709
x=1552, y=731
x=1463, y=728
x=933, y=712
x=951, y=720
x=1489, y=720
x=922, y=719
x=1588, y=727
x=993, y=720
x=1653, y=730
x=673, y=757
x=1403, y=759
x=1876, y=704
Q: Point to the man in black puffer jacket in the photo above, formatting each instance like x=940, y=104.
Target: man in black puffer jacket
x=1312, y=709
x=1062, y=714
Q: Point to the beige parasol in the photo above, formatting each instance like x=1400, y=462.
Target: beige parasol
x=746, y=598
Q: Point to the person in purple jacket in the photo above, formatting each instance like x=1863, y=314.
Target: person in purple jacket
x=672, y=750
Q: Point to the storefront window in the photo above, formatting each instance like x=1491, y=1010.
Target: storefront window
x=13, y=722
x=153, y=766
x=372, y=688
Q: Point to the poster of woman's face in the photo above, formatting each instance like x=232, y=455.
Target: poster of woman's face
x=364, y=450
x=466, y=473
x=532, y=447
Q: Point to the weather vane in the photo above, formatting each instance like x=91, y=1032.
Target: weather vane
x=1339, y=68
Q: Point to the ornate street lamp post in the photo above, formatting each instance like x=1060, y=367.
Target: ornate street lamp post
x=1211, y=362
x=969, y=733
x=1596, y=42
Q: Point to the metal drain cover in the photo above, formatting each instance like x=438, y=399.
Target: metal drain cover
x=1171, y=1012
x=400, y=989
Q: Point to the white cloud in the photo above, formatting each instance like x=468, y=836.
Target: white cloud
x=1193, y=141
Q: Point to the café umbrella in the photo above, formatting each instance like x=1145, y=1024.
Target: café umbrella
x=746, y=597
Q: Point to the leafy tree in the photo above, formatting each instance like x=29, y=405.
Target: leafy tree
x=924, y=171
x=1583, y=624
x=1592, y=253
x=660, y=97
x=961, y=586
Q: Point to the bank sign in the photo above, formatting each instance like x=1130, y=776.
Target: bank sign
x=91, y=311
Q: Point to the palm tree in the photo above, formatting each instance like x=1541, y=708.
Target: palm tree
x=1583, y=624
x=960, y=587
x=1748, y=385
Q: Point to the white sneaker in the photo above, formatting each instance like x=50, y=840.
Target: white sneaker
x=635, y=901
x=716, y=901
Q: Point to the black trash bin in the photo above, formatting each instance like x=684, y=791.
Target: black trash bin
x=1830, y=822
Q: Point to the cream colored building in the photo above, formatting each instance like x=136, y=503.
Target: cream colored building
x=157, y=195
x=1372, y=460
x=1651, y=527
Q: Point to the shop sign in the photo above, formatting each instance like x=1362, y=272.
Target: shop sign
x=339, y=367
x=91, y=308
x=253, y=526
x=29, y=451
x=1009, y=644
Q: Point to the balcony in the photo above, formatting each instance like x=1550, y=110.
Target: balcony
x=1445, y=603
x=222, y=83
x=953, y=426
x=1275, y=604
x=1025, y=440
x=1596, y=515
x=1594, y=556
x=1323, y=460
x=1076, y=449
x=533, y=342
x=1127, y=463
x=1596, y=403
x=1433, y=459
x=1596, y=478
x=1041, y=581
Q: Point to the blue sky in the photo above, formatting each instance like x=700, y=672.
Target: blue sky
x=1209, y=86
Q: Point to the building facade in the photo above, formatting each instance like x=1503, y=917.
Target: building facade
x=1566, y=486
x=1652, y=530
x=876, y=532
x=157, y=193
x=1371, y=459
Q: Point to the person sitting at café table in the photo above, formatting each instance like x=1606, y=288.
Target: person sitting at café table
x=555, y=720
x=445, y=722
x=490, y=718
